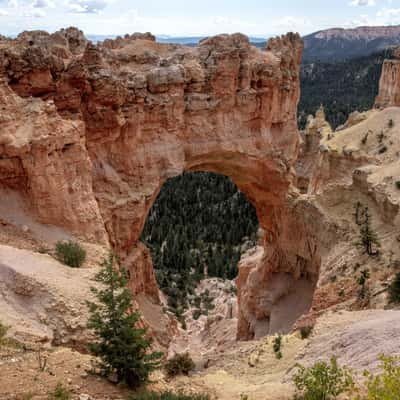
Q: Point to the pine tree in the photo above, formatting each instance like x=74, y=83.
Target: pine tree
x=394, y=289
x=368, y=238
x=123, y=348
x=362, y=281
x=357, y=212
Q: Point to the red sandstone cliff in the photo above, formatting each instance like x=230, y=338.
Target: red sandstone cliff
x=89, y=134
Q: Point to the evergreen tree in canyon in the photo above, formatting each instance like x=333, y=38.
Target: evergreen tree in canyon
x=122, y=346
x=368, y=238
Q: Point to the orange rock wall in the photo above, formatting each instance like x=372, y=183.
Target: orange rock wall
x=89, y=134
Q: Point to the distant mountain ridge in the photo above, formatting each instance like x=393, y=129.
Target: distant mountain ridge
x=185, y=40
x=330, y=45
x=338, y=44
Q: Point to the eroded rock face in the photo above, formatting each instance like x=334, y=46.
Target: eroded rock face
x=317, y=129
x=389, y=84
x=90, y=133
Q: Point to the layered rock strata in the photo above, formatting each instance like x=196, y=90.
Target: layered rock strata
x=389, y=84
x=89, y=133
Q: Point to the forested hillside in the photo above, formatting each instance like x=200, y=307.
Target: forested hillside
x=198, y=225
x=342, y=87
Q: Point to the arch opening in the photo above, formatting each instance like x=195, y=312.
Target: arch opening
x=197, y=229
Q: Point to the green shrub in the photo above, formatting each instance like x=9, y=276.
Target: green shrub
x=386, y=385
x=394, y=289
x=60, y=393
x=3, y=332
x=70, y=253
x=196, y=314
x=180, y=364
x=362, y=281
x=322, y=381
x=277, y=346
x=167, y=396
x=305, y=331
x=397, y=183
x=382, y=149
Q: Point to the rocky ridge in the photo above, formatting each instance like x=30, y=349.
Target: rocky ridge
x=90, y=132
x=338, y=44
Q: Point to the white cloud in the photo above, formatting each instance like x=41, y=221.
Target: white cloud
x=392, y=15
x=33, y=13
x=290, y=23
x=87, y=6
x=12, y=4
x=3, y=13
x=362, y=3
x=43, y=4
x=385, y=16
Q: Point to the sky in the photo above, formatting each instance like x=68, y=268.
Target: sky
x=261, y=18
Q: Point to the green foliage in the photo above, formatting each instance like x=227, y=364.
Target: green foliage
x=322, y=381
x=305, y=331
x=167, y=396
x=397, y=184
x=394, y=289
x=362, y=281
x=368, y=239
x=358, y=212
x=60, y=393
x=3, y=332
x=386, y=384
x=179, y=364
x=70, y=253
x=123, y=348
x=277, y=346
x=203, y=303
x=382, y=149
x=197, y=226
x=196, y=314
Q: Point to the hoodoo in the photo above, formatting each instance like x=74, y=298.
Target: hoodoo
x=89, y=134
x=389, y=84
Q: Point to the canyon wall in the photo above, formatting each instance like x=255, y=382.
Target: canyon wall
x=89, y=134
x=389, y=84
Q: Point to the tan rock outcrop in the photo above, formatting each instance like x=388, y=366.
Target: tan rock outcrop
x=317, y=129
x=90, y=133
x=389, y=84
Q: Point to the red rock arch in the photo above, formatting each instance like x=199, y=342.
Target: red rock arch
x=120, y=118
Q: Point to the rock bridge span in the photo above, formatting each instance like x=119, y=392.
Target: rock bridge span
x=89, y=133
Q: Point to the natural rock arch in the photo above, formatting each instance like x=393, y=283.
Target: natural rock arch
x=131, y=113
